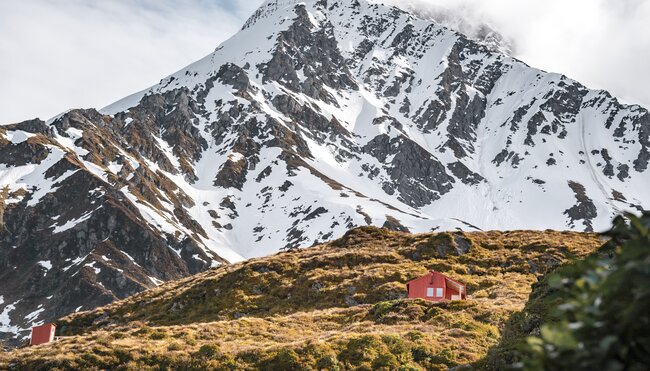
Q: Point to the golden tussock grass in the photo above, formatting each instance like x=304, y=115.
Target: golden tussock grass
x=340, y=305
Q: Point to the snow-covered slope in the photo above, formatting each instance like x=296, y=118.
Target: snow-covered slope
x=360, y=83
x=316, y=117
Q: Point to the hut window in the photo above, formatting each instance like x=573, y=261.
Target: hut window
x=430, y=292
x=439, y=292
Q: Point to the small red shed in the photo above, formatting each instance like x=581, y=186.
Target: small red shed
x=43, y=334
x=435, y=286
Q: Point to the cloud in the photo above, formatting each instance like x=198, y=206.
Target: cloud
x=61, y=54
x=604, y=44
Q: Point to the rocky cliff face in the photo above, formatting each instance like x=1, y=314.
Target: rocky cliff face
x=317, y=117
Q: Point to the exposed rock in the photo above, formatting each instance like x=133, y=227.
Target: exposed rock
x=584, y=209
x=417, y=175
x=393, y=224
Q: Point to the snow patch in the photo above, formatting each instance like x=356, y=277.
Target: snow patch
x=5, y=321
x=18, y=136
x=47, y=264
x=92, y=265
x=72, y=223
x=33, y=315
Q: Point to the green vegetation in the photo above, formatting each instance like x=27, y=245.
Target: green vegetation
x=338, y=306
x=591, y=314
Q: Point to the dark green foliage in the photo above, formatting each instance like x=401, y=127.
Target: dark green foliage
x=386, y=361
x=158, y=334
x=361, y=350
x=285, y=359
x=603, y=322
x=209, y=351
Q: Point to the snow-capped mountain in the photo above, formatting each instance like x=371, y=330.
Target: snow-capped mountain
x=318, y=116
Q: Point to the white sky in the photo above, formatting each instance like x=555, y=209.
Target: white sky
x=62, y=54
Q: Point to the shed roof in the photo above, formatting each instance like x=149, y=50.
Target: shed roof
x=450, y=281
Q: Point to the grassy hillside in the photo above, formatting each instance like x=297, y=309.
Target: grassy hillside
x=336, y=306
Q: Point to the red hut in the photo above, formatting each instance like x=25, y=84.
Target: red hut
x=43, y=334
x=435, y=286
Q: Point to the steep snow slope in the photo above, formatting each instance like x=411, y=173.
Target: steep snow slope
x=498, y=130
x=317, y=117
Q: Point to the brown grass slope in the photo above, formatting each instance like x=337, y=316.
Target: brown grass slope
x=335, y=306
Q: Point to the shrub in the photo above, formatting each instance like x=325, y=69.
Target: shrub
x=158, y=334
x=209, y=351
x=118, y=335
x=144, y=330
x=428, y=358
x=174, y=346
x=361, y=350
x=382, y=308
x=285, y=359
x=327, y=362
x=320, y=356
x=414, y=335
x=604, y=319
x=386, y=361
x=398, y=347
x=422, y=354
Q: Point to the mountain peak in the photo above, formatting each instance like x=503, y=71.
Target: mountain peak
x=310, y=121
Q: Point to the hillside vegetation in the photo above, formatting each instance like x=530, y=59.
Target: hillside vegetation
x=340, y=305
x=590, y=314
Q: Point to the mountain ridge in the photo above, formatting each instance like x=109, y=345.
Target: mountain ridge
x=317, y=117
